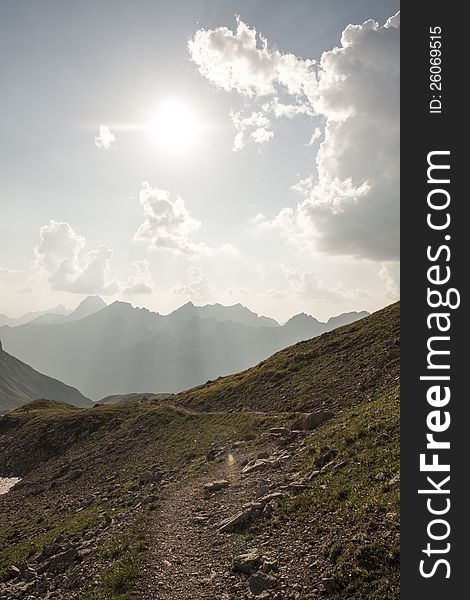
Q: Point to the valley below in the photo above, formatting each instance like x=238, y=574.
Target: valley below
x=280, y=482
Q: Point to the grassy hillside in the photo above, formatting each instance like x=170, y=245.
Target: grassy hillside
x=336, y=370
x=20, y=383
x=67, y=455
x=82, y=470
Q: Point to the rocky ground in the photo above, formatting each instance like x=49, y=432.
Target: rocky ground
x=199, y=547
x=197, y=540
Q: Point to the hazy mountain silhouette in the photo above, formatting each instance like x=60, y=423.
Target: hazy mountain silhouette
x=122, y=349
x=343, y=319
x=87, y=307
x=58, y=314
x=19, y=383
x=236, y=313
x=58, y=310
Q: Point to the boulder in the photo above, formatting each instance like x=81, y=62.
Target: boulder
x=272, y=497
x=247, y=563
x=215, y=486
x=237, y=522
x=260, y=582
x=149, y=477
x=254, y=465
x=60, y=562
x=12, y=572
x=325, y=458
x=310, y=421
x=315, y=419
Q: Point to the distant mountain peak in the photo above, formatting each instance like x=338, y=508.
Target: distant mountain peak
x=87, y=307
x=94, y=301
x=236, y=313
x=302, y=317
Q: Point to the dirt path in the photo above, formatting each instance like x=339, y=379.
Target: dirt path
x=184, y=410
x=189, y=558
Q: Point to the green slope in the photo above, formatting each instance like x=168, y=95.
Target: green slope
x=336, y=370
x=344, y=522
x=20, y=383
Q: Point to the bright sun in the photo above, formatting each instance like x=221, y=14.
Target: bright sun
x=174, y=126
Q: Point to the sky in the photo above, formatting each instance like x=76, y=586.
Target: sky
x=164, y=151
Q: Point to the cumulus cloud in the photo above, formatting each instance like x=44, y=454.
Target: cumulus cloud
x=167, y=223
x=316, y=135
x=141, y=282
x=59, y=256
x=291, y=225
x=260, y=271
x=281, y=109
x=105, y=138
x=198, y=286
x=389, y=275
x=351, y=204
x=243, y=61
x=255, y=127
x=307, y=284
x=5, y=272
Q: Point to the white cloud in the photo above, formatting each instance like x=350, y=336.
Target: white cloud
x=351, y=204
x=280, y=109
x=105, y=138
x=316, y=135
x=198, y=287
x=141, y=282
x=243, y=61
x=59, y=256
x=5, y=272
x=354, y=207
x=307, y=284
x=389, y=275
x=94, y=274
x=167, y=223
x=26, y=289
x=226, y=249
x=305, y=186
x=255, y=127
x=289, y=224
x=260, y=271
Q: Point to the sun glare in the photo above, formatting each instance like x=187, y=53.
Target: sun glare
x=174, y=126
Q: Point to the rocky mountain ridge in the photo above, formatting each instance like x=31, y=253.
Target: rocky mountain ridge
x=121, y=349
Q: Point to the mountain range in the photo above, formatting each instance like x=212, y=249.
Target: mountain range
x=58, y=310
x=118, y=349
x=19, y=384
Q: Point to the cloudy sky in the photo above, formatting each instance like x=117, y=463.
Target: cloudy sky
x=162, y=151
